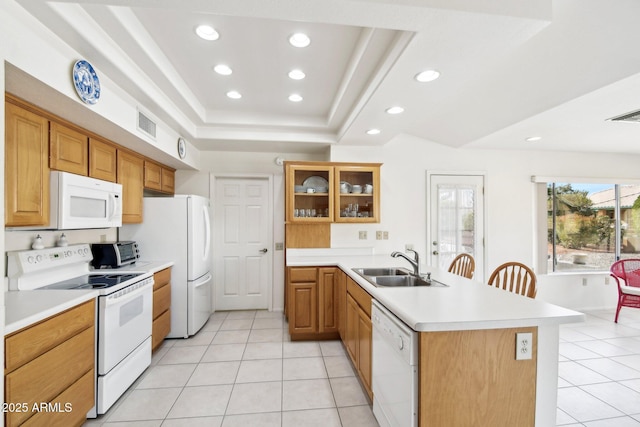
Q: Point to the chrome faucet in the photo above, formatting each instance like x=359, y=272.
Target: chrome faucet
x=415, y=263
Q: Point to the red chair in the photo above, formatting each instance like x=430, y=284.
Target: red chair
x=627, y=275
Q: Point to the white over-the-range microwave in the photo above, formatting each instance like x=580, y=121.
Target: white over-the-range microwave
x=79, y=202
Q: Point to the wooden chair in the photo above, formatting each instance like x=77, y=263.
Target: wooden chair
x=514, y=277
x=463, y=265
x=627, y=275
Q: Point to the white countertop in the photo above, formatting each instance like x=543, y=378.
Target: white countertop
x=141, y=266
x=24, y=308
x=464, y=305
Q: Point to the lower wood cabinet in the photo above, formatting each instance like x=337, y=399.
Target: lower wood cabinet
x=312, y=302
x=51, y=365
x=358, y=332
x=161, y=307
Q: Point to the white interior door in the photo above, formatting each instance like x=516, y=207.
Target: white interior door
x=457, y=220
x=242, y=243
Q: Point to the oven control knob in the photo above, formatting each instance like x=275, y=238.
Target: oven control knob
x=400, y=343
x=38, y=258
x=68, y=254
x=30, y=259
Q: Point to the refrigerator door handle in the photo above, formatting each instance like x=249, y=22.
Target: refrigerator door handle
x=203, y=280
x=207, y=243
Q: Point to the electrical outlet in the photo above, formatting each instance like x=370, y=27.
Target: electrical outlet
x=584, y=281
x=362, y=235
x=408, y=246
x=378, y=235
x=103, y=238
x=279, y=246
x=385, y=235
x=524, y=345
x=606, y=280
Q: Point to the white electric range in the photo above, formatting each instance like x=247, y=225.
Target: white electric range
x=123, y=317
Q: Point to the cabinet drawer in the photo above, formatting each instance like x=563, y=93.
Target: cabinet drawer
x=29, y=343
x=79, y=398
x=47, y=376
x=303, y=274
x=360, y=295
x=161, y=278
x=160, y=329
x=161, y=300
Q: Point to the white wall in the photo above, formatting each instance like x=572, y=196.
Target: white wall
x=509, y=199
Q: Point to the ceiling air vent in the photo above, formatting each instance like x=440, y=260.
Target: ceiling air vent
x=633, y=116
x=146, y=125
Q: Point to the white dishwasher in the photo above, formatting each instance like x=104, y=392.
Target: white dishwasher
x=394, y=370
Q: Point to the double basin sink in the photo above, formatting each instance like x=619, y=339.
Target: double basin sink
x=394, y=277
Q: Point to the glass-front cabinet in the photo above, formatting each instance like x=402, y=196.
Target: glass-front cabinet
x=357, y=193
x=309, y=193
x=318, y=192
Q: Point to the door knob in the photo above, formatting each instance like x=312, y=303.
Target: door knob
x=264, y=250
x=435, y=252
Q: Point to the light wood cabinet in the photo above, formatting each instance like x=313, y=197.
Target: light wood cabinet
x=325, y=192
x=158, y=178
x=68, y=150
x=131, y=176
x=26, y=186
x=472, y=378
x=102, y=160
x=161, y=307
x=312, y=302
x=357, y=193
x=358, y=332
x=52, y=362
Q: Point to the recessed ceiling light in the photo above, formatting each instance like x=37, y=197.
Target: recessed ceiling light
x=297, y=74
x=394, y=110
x=234, y=94
x=294, y=97
x=207, y=32
x=299, y=40
x=533, y=138
x=223, y=69
x=373, y=132
x=427, y=76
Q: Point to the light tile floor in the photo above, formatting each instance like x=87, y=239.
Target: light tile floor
x=242, y=369
x=599, y=371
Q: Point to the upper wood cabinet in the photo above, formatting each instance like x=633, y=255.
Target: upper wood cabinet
x=131, y=176
x=325, y=192
x=68, y=150
x=102, y=160
x=309, y=195
x=158, y=177
x=357, y=193
x=26, y=185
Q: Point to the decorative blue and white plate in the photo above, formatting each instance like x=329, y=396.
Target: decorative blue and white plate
x=86, y=82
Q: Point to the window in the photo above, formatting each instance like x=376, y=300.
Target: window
x=591, y=225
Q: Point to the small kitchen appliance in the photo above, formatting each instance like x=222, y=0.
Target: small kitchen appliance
x=114, y=254
x=123, y=317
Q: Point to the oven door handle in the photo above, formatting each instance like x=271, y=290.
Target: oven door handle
x=118, y=297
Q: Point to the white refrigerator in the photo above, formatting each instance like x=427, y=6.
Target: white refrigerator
x=178, y=229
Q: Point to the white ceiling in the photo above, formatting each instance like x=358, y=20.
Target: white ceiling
x=510, y=69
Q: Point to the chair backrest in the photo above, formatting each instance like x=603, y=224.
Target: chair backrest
x=463, y=265
x=514, y=277
x=627, y=270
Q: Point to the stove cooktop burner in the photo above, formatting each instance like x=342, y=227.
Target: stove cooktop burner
x=94, y=281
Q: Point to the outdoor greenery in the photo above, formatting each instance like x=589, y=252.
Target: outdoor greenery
x=577, y=224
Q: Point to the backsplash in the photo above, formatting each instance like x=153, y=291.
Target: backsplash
x=22, y=240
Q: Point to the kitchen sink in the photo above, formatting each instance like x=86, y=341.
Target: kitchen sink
x=392, y=271
x=394, y=277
